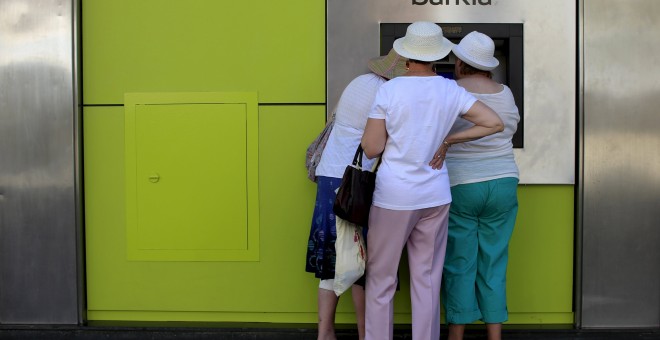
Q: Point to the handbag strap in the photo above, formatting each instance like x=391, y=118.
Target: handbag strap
x=357, y=159
x=375, y=167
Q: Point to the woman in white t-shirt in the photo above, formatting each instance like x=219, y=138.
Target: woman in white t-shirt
x=410, y=117
x=350, y=119
x=484, y=182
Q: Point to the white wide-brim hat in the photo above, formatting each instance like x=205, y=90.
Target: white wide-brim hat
x=423, y=41
x=477, y=50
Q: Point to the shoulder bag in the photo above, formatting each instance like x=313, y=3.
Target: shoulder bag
x=315, y=149
x=356, y=191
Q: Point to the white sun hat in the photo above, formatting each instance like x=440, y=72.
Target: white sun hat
x=477, y=50
x=424, y=42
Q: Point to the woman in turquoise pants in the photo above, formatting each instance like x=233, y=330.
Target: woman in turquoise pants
x=481, y=220
x=484, y=178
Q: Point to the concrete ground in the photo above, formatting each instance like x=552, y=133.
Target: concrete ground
x=290, y=332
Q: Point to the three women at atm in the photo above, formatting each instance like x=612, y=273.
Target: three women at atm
x=410, y=117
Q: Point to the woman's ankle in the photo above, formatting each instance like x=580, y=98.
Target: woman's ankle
x=456, y=332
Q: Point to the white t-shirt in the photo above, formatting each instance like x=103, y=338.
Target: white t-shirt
x=490, y=157
x=350, y=119
x=418, y=113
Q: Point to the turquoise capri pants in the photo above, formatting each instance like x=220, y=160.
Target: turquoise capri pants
x=481, y=220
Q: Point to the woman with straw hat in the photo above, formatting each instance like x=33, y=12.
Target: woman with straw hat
x=410, y=117
x=349, y=121
x=484, y=180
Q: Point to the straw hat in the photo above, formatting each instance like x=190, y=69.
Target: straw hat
x=390, y=66
x=477, y=50
x=423, y=41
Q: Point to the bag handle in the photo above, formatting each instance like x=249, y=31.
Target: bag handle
x=357, y=159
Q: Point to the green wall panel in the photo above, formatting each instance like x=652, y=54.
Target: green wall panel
x=192, y=176
x=119, y=288
x=180, y=208
x=276, y=288
x=540, y=275
x=276, y=48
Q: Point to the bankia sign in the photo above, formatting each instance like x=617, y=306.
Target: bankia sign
x=452, y=2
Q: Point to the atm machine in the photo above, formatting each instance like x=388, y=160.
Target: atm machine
x=536, y=41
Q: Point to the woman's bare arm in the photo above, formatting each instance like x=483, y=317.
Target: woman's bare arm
x=374, y=137
x=486, y=122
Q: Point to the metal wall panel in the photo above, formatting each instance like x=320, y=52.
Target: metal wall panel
x=38, y=192
x=621, y=164
x=549, y=49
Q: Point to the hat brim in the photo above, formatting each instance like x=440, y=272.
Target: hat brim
x=484, y=65
x=380, y=67
x=436, y=54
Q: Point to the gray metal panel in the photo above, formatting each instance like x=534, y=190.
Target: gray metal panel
x=38, y=236
x=579, y=201
x=548, y=155
x=77, y=157
x=621, y=172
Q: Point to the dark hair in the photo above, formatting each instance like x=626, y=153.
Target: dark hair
x=419, y=61
x=467, y=69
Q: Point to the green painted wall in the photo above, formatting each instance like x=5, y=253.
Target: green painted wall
x=276, y=49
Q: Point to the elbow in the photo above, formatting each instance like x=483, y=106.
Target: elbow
x=499, y=127
x=371, y=155
x=372, y=143
x=369, y=148
x=370, y=152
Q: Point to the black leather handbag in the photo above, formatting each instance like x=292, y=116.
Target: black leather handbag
x=356, y=191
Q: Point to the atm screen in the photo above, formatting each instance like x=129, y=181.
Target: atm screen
x=508, y=50
x=448, y=75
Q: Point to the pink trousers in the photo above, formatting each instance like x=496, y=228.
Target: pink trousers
x=424, y=233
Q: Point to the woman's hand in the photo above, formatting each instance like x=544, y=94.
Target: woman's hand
x=439, y=156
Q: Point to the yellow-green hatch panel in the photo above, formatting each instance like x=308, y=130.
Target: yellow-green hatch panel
x=191, y=176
